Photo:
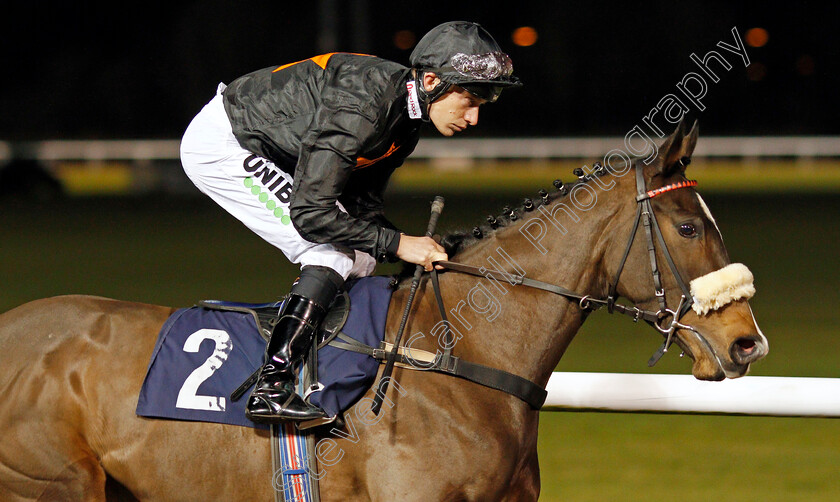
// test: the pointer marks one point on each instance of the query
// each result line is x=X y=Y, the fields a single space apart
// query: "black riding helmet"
x=464 y=54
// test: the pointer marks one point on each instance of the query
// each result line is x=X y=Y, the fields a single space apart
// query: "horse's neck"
x=518 y=328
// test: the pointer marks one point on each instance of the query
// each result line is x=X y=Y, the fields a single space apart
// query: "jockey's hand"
x=421 y=251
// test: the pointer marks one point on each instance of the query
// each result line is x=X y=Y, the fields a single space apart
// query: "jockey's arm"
x=318 y=185
x=320 y=178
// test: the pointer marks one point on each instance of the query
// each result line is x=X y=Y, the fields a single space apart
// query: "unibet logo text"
x=273 y=182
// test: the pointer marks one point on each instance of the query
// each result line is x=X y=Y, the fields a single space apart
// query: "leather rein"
x=665 y=320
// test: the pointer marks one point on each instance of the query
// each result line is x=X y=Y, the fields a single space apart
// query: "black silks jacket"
x=338 y=124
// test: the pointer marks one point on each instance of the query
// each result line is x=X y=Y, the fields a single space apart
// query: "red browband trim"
x=682 y=184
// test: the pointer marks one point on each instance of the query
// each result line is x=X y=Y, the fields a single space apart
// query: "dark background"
x=96 y=70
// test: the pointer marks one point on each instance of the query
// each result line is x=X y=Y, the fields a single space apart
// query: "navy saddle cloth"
x=202 y=355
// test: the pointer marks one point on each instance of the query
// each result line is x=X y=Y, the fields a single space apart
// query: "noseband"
x=665 y=320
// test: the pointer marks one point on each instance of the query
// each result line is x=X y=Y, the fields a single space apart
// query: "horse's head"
x=702 y=299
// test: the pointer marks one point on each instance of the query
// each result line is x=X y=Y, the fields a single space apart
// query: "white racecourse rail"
x=458 y=148
x=650 y=393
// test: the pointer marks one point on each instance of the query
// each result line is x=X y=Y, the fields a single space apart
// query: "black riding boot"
x=274 y=398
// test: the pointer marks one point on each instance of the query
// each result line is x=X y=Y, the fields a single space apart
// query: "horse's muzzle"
x=713 y=366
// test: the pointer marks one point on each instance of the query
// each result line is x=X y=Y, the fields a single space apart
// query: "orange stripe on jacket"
x=318 y=60
x=363 y=162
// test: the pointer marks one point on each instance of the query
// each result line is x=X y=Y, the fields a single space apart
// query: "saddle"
x=344 y=374
x=266 y=315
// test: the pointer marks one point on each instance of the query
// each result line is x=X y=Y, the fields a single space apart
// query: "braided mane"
x=457 y=241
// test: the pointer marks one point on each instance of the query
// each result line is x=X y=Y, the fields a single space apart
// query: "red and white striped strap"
x=667 y=188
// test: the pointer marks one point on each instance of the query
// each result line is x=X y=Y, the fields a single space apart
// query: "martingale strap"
x=415 y=359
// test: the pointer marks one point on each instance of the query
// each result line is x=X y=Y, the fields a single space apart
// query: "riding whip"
x=382 y=386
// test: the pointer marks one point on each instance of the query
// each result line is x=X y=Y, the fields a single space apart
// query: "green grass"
x=624 y=457
x=177 y=251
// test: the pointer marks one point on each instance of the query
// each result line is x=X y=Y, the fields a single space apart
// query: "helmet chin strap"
x=428 y=97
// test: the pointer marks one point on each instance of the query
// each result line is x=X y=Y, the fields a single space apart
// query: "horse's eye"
x=687 y=230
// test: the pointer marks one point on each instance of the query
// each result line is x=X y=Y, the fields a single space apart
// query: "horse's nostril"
x=746 y=349
x=745 y=345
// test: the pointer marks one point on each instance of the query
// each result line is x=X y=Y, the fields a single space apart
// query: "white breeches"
x=256 y=192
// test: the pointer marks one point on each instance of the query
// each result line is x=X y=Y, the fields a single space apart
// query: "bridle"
x=645 y=215
x=665 y=320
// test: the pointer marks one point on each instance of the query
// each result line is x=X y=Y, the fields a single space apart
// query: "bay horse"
x=71 y=367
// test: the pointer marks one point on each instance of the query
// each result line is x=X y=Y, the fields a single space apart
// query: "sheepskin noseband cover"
x=714 y=290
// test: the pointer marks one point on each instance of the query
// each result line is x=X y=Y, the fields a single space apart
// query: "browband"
x=667 y=188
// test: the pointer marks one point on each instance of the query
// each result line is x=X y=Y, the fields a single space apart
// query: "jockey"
x=302 y=153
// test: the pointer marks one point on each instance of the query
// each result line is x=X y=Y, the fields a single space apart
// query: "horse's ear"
x=690 y=141
x=675 y=152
